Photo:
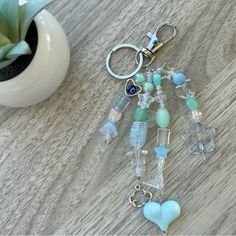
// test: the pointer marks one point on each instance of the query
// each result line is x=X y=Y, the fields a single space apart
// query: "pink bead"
x=114 y=115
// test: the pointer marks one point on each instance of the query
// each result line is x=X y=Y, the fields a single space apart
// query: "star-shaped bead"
x=145 y=100
x=161 y=151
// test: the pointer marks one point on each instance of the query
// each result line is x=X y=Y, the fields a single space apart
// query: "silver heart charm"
x=132 y=89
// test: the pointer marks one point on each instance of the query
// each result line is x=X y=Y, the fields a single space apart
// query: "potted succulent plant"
x=34 y=52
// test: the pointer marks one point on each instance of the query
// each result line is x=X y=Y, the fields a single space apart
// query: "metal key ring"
x=121 y=46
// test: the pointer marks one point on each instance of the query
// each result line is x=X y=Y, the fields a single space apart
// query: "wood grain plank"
x=56 y=175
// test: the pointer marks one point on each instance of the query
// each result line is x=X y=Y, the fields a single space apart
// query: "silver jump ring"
x=121 y=46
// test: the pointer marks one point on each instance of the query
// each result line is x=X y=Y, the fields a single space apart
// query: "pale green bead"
x=156 y=79
x=192 y=103
x=139 y=78
x=148 y=87
x=163 y=117
x=140 y=114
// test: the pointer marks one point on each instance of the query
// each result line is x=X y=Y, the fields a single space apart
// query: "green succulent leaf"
x=15 y=19
x=6 y=63
x=5 y=49
x=10 y=11
x=4 y=40
x=21 y=17
x=22 y=48
x=29 y=11
x=3 y=25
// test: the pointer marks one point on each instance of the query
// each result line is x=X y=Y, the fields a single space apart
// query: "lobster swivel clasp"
x=155 y=43
x=148 y=53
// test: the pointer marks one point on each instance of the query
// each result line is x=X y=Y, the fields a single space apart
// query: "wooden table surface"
x=56 y=174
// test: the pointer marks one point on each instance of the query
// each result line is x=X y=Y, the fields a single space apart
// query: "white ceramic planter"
x=46 y=71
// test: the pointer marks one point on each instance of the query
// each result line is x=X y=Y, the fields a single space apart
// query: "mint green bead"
x=139 y=78
x=192 y=103
x=140 y=114
x=148 y=87
x=156 y=79
x=163 y=117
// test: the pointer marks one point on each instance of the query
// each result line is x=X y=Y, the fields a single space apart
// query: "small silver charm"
x=132 y=89
x=140 y=197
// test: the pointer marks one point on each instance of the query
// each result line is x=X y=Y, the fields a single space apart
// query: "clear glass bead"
x=196 y=116
x=156 y=179
x=149 y=76
x=109 y=131
x=185 y=90
x=160 y=96
x=163 y=137
x=138 y=134
x=151 y=118
x=145 y=100
x=121 y=102
x=138 y=161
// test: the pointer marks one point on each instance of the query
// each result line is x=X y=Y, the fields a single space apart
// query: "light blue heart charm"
x=162 y=215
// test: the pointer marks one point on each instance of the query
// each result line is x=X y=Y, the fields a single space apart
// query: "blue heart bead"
x=162 y=215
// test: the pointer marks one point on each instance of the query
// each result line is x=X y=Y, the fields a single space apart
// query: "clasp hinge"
x=155 y=44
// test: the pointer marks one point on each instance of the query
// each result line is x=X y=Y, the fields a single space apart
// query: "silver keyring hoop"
x=122 y=46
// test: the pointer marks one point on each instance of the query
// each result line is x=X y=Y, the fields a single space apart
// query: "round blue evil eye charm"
x=132 y=89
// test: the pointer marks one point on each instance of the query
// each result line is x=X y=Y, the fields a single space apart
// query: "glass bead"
x=140 y=78
x=145 y=100
x=196 y=116
x=138 y=134
x=161 y=151
x=138 y=161
x=163 y=117
x=151 y=119
x=140 y=114
x=155 y=178
x=148 y=87
x=191 y=103
x=109 y=131
x=131 y=89
x=156 y=79
x=160 y=96
x=114 y=115
x=163 y=136
x=185 y=90
x=149 y=76
x=179 y=79
x=121 y=103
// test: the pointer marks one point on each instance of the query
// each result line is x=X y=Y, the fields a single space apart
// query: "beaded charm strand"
x=139 y=128
x=198 y=137
x=109 y=129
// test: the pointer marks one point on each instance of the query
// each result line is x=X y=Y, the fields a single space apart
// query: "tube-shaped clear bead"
x=138 y=134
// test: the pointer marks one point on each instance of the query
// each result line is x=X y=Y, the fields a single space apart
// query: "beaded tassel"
x=139 y=129
x=198 y=137
x=109 y=129
x=162 y=214
x=163 y=135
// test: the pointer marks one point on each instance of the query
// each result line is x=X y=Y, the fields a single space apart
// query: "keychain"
x=109 y=130
x=148 y=86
